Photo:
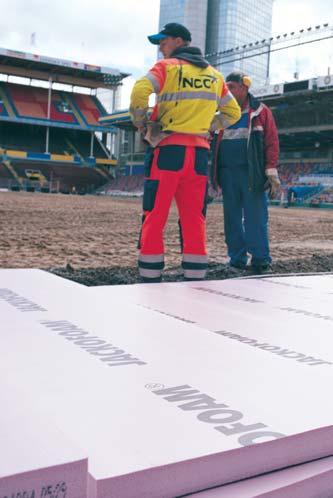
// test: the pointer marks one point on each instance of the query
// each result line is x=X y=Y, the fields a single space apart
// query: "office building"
x=219 y=25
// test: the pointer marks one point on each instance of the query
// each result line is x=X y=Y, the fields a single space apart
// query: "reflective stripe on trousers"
x=194 y=266
x=151 y=265
x=178 y=172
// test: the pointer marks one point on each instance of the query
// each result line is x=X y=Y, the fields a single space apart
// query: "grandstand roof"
x=304 y=117
x=120 y=119
x=28 y=65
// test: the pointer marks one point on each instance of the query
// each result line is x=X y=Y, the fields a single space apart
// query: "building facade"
x=219 y=25
x=191 y=13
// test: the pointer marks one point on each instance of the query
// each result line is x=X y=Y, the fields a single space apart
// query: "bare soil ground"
x=93 y=239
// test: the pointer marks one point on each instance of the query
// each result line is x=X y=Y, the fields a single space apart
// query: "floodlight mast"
x=270 y=45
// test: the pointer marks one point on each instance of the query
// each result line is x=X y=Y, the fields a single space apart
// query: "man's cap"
x=239 y=77
x=172 y=29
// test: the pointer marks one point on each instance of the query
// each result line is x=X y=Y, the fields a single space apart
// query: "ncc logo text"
x=205 y=82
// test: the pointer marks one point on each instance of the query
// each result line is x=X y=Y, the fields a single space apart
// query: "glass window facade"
x=234 y=23
x=218 y=25
x=191 y=13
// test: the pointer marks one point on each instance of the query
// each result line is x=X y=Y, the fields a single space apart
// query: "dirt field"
x=93 y=239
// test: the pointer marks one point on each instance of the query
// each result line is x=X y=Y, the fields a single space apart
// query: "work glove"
x=142 y=129
x=273 y=183
x=154 y=133
x=218 y=123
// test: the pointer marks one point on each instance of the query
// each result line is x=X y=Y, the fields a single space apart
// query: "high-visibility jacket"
x=189 y=92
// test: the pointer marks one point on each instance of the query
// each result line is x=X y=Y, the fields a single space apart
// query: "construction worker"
x=189 y=92
x=245 y=167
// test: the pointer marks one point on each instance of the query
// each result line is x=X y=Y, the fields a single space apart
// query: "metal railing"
x=131 y=158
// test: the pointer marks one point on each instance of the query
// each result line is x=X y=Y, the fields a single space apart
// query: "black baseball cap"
x=172 y=29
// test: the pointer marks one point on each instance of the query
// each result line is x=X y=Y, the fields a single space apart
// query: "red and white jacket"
x=262 y=146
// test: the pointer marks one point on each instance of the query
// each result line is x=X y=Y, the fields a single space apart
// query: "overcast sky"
x=113 y=33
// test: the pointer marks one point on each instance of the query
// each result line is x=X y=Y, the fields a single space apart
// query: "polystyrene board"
x=309 y=480
x=270 y=299
x=322 y=283
x=36 y=458
x=280 y=290
x=287 y=332
x=24 y=288
x=27 y=277
x=138 y=439
x=265 y=293
x=267 y=298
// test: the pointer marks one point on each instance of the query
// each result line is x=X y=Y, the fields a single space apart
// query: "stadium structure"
x=303 y=111
x=51 y=139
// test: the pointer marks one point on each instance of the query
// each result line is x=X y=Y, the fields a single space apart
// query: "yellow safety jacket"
x=188 y=96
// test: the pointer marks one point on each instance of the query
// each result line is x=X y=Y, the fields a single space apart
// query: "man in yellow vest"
x=189 y=93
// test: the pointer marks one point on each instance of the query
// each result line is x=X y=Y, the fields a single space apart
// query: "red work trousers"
x=180 y=172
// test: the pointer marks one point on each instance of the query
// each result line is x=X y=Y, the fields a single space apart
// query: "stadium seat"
x=32 y=102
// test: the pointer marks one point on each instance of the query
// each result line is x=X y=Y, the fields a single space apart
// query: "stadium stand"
x=324 y=197
x=51 y=139
x=53 y=178
x=303 y=172
x=89 y=107
x=304 y=116
x=6 y=177
x=28 y=103
x=32 y=139
x=124 y=185
x=304 y=192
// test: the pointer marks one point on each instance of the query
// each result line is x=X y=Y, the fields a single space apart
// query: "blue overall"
x=245 y=212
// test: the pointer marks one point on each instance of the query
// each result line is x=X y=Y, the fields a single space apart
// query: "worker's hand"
x=273 y=183
x=142 y=129
x=154 y=133
x=215 y=125
x=210 y=136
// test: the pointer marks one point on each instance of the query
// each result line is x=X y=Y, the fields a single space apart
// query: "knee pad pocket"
x=171 y=157
x=149 y=194
x=201 y=161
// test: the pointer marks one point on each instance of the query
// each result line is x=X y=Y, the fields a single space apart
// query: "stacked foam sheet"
x=161 y=407
x=36 y=458
x=291 y=317
x=310 y=480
